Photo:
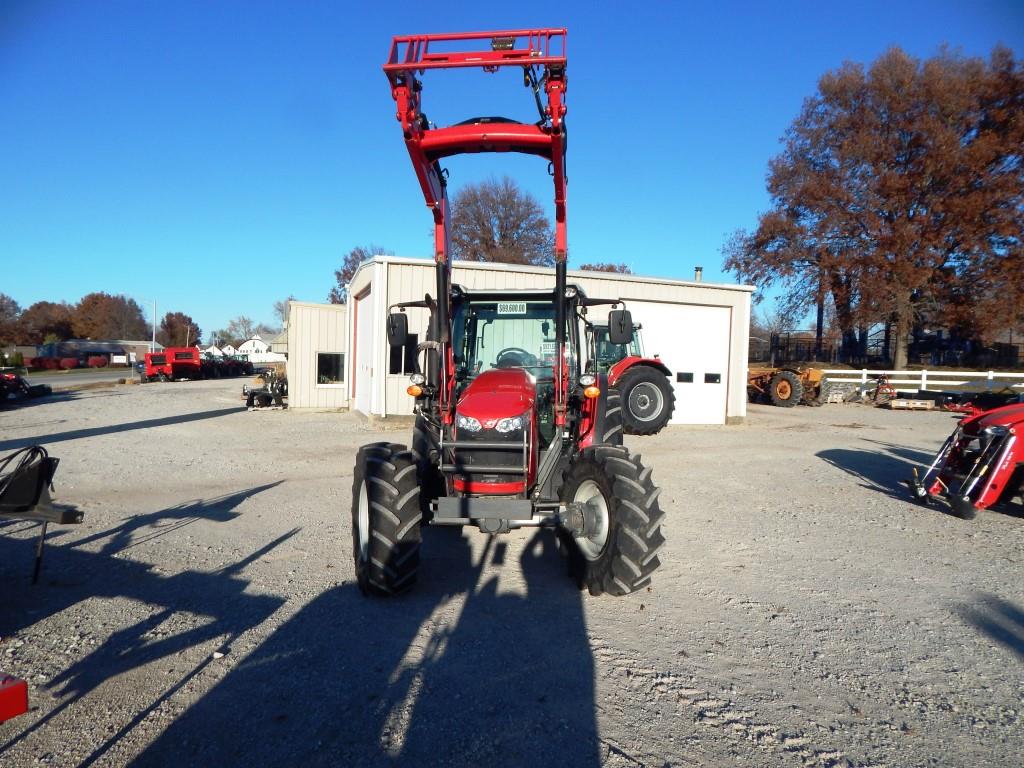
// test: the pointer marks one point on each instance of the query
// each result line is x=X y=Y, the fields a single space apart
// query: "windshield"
x=608 y=354
x=505 y=334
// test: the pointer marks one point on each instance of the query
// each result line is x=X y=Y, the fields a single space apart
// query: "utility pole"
x=152 y=344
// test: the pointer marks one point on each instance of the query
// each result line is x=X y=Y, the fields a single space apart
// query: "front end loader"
x=980 y=465
x=510 y=430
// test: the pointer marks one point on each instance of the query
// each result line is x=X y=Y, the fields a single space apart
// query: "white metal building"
x=698 y=329
x=317 y=345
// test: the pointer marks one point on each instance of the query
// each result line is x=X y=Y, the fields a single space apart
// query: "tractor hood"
x=1007 y=416
x=498 y=394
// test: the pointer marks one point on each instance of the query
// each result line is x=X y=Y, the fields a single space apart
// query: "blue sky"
x=219 y=156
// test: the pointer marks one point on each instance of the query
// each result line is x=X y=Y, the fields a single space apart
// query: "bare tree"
x=601 y=266
x=281 y=310
x=343 y=275
x=496 y=221
x=900 y=189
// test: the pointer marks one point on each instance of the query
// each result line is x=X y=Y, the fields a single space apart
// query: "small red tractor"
x=980 y=465
x=174 y=363
x=510 y=431
x=644 y=383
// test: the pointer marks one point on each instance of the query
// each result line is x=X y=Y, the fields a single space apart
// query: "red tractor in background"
x=644 y=383
x=510 y=430
x=980 y=465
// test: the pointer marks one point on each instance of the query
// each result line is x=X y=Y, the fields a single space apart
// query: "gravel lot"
x=806 y=614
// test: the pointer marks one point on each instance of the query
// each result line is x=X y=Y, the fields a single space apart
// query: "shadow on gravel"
x=77 y=434
x=508 y=681
x=220 y=510
x=58 y=396
x=998 y=619
x=879 y=471
x=188 y=609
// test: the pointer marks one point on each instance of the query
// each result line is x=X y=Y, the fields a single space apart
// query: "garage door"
x=363 y=354
x=693 y=341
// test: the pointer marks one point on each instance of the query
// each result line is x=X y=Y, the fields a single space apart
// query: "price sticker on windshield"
x=511 y=307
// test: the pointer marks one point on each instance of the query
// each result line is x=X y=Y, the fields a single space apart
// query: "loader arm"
x=541 y=55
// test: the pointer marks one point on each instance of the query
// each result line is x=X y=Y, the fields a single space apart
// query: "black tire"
x=647 y=400
x=613 y=427
x=425 y=450
x=623 y=560
x=785 y=389
x=385 y=519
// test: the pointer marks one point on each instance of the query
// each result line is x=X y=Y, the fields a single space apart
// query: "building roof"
x=572 y=273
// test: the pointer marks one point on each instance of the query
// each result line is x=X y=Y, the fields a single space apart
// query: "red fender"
x=630 y=361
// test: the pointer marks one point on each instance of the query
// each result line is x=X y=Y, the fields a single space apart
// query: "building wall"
x=314 y=328
x=401 y=279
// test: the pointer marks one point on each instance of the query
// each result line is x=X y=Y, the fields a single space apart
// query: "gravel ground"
x=806 y=614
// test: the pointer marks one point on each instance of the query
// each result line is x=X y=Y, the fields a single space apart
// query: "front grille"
x=488 y=458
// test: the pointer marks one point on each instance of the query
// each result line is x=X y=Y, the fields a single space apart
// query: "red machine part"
x=13 y=697
x=616 y=371
x=978 y=461
x=543 y=49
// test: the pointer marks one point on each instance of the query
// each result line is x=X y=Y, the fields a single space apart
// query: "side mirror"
x=398 y=329
x=620 y=326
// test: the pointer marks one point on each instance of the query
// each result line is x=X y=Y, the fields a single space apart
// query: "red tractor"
x=511 y=431
x=980 y=465
x=645 y=388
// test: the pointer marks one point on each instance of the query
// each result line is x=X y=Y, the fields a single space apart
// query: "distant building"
x=213 y=351
x=229 y=350
x=256 y=350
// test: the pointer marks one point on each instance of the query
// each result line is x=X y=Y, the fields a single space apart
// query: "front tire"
x=647 y=400
x=620 y=551
x=386 y=519
x=785 y=389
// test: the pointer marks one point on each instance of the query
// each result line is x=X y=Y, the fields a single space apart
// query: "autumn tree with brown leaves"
x=497 y=221
x=102 y=316
x=178 y=330
x=900 y=196
x=45 y=321
x=343 y=275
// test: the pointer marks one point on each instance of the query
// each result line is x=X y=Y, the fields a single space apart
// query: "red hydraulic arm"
x=541 y=53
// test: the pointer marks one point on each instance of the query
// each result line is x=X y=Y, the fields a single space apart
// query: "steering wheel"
x=512 y=357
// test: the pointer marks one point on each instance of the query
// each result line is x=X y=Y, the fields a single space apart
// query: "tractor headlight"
x=587 y=380
x=510 y=425
x=417 y=378
x=467 y=423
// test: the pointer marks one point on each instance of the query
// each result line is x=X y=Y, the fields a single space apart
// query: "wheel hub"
x=594 y=508
x=646 y=401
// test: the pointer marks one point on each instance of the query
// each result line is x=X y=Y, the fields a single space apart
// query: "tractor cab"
x=508 y=341
x=605 y=354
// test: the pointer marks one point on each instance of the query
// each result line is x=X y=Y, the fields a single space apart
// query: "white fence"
x=911 y=381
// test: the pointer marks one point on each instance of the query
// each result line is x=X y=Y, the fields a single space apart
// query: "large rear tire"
x=620 y=552
x=647 y=400
x=386 y=519
x=785 y=389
